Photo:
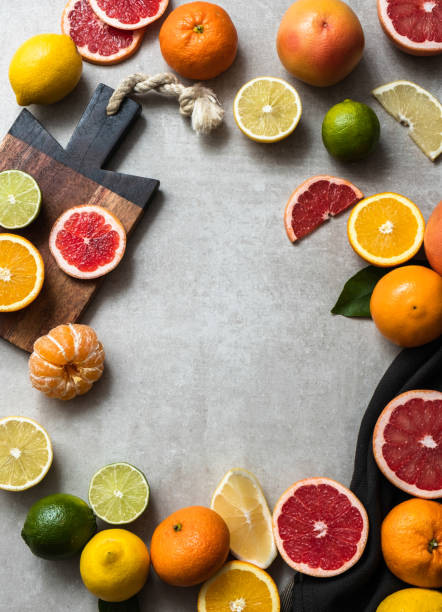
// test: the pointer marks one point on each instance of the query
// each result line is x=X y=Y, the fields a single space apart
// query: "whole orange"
x=199 y=40
x=411 y=539
x=406 y=305
x=433 y=239
x=190 y=546
x=320 y=41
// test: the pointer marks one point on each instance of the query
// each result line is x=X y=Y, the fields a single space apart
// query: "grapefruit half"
x=415 y=26
x=129 y=14
x=320 y=527
x=96 y=41
x=316 y=200
x=87 y=241
x=407 y=443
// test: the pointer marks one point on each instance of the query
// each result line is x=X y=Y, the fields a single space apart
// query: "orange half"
x=21 y=272
x=386 y=229
x=239 y=586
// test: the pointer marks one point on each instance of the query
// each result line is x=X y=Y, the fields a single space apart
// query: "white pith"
x=268 y=108
x=386 y=261
x=73 y=270
x=307 y=569
x=379 y=441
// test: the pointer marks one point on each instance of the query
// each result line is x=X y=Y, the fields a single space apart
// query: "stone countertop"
x=221 y=349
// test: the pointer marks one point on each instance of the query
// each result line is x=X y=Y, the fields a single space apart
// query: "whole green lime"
x=58 y=526
x=350 y=130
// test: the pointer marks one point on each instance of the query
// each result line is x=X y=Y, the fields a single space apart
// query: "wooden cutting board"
x=68 y=177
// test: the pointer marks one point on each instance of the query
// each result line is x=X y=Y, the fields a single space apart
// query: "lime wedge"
x=118 y=493
x=20 y=199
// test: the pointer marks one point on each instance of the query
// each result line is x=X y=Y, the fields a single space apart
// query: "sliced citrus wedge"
x=414 y=107
x=20 y=199
x=240 y=501
x=25 y=453
x=267 y=109
x=21 y=272
x=239 y=586
x=386 y=229
x=118 y=493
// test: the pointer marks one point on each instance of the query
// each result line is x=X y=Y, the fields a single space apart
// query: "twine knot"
x=198 y=102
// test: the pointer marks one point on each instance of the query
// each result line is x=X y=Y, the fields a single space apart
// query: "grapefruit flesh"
x=316 y=200
x=96 y=41
x=87 y=241
x=415 y=26
x=320 y=527
x=407 y=443
x=128 y=14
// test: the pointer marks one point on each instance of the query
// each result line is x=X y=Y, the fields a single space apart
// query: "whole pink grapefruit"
x=320 y=41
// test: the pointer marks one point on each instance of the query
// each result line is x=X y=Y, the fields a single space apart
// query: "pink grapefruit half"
x=96 y=41
x=129 y=14
x=87 y=241
x=415 y=26
x=407 y=443
x=320 y=527
x=316 y=200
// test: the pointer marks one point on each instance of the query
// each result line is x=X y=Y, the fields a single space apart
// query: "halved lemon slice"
x=25 y=453
x=386 y=229
x=414 y=107
x=239 y=586
x=21 y=272
x=267 y=109
x=240 y=501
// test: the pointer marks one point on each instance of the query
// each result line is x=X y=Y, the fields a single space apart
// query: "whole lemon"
x=114 y=565
x=412 y=600
x=45 y=69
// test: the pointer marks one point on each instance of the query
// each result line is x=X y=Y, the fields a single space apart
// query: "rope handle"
x=196 y=101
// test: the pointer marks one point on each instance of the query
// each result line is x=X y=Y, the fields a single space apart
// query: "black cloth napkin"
x=366 y=584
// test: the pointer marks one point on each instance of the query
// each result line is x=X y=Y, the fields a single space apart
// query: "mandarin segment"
x=67 y=361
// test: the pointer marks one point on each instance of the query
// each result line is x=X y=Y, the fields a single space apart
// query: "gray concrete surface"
x=221 y=350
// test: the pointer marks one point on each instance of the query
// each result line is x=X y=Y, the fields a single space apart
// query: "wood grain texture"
x=68 y=178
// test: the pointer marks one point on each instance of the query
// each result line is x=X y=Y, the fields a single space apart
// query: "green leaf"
x=354 y=300
x=131 y=605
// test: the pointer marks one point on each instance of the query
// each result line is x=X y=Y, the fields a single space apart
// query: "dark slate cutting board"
x=68 y=177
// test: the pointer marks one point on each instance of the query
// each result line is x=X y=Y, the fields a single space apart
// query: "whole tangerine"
x=433 y=239
x=190 y=546
x=199 y=40
x=406 y=305
x=411 y=540
x=320 y=41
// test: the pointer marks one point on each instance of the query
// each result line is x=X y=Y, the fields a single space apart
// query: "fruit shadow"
x=64 y=115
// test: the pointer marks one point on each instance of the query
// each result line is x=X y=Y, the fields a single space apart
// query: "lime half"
x=118 y=493
x=20 y=199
